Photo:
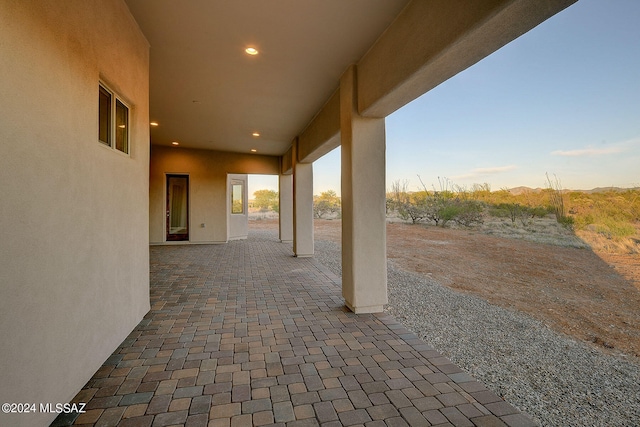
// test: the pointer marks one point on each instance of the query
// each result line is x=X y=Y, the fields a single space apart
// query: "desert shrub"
x=538 y=211
x=436 y=205
x=481 y=192
x=507 y=210
x=389 y=205
x=556 y=199
x=497 y=212
x=327 y=203
x=409 y=206
x=412 y=211
x=266 y=200
x=582 y=221
x=466 y=213
x=612 y=214
x=614 y=229
x=566 y=221
x=448 y=213
x=516 y=211
x=469 y=213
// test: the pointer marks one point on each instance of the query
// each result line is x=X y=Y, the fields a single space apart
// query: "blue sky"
x=562 y=99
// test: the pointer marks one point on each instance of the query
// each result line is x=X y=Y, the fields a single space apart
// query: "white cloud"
x=480 y=172
x=590 y=152
x=493 y=170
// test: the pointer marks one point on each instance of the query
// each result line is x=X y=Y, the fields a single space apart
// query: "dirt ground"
x=592 y=297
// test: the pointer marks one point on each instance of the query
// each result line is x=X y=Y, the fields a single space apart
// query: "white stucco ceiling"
x=206 y=92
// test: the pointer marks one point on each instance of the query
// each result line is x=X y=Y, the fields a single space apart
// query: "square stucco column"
x=303 y=209
x=364 y=251
x=285 y=195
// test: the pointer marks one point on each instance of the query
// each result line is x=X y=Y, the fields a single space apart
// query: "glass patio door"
x=177 y=207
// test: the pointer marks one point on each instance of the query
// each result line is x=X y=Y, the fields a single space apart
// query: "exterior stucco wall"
x=208 y=202
x=74 y=257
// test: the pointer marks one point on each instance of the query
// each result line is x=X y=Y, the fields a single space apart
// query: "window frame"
x=237 y=183
x=113 y=130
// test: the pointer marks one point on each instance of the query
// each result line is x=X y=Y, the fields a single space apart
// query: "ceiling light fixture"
x=175 y=143
x=253 y=150
x=256 y=134
x=153 y=124
x=251 y=51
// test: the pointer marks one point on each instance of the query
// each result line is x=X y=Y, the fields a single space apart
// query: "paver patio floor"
x=245 y=334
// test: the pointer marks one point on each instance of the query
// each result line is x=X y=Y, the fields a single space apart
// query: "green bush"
x=613 y=213
x=448 y=213
x=538 y=211
x=498 y=212
x=583 y=221
x=327 y=203
x=469 y=212
x=614 y=229
x=566 y=221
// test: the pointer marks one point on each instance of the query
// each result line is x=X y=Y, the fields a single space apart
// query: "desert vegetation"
x=327 y=205
x=608 y=219
x=266 y=200
x=440 y=206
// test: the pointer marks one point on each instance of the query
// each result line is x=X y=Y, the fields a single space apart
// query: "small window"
x=113 y=120
x=122 y=127
x=237 y=198
x=104 y=106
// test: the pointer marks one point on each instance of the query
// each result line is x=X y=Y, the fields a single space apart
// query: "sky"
x=562 y=99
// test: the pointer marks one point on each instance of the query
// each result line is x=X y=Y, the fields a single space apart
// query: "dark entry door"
x=177 y=207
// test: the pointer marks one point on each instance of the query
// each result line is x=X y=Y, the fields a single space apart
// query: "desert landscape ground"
x=545 y=271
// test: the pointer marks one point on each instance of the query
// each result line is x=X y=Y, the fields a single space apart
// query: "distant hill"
x=607 y=189
x=520 y=190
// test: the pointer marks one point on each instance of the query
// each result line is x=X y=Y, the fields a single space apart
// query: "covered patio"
x=130 y=123
x=246 y=334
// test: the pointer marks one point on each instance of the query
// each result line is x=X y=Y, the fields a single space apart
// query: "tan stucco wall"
x=207 y=172
x=74 y=254
x=323 y=133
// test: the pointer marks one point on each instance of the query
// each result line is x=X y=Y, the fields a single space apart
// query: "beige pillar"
x=302 y=208
x=285 y=195
x=364 y=252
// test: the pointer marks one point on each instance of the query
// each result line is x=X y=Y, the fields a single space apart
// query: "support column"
x=364 y=251
x=302 y=208
x=285 y=203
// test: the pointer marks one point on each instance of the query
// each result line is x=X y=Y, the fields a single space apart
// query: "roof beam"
x=323 y=133
x=433 y=40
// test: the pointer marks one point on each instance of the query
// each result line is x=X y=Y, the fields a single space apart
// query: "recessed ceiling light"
x=153 y=123
x=253 y=150
x=256 y=134
x=251 y=51
x=175 y=143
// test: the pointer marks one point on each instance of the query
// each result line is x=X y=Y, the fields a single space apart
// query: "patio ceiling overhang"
x=206 y=92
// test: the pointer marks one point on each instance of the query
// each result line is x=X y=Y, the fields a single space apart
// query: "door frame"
x=237 y=223
x=182 y=236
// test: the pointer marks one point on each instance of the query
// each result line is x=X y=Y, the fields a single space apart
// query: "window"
x=237 y=198
x=122 y=127
x=104 y=134
x=113 y=120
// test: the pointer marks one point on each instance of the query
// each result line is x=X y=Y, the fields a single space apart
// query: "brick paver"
x=245 y=334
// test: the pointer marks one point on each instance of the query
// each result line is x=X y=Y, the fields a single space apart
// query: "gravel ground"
x=556 y=380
